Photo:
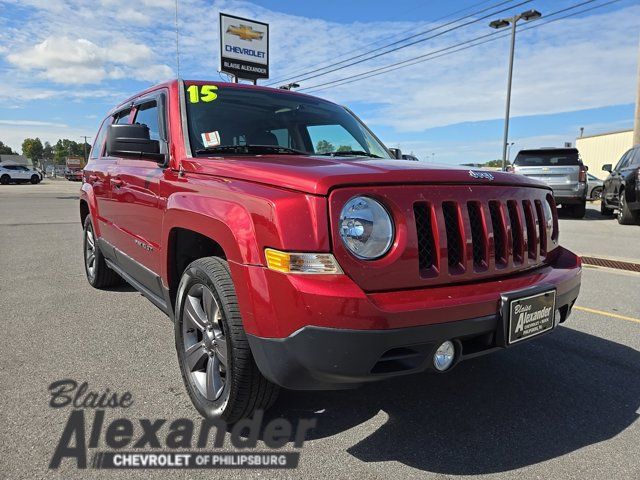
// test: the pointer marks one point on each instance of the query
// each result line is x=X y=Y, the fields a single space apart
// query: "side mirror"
x=396 y=152
x=132 y=141
x=606 y=167
x=586 y=168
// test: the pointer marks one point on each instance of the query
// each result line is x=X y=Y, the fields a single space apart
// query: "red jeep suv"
x=291 y=249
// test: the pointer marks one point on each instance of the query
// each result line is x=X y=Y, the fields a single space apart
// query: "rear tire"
x=625 y=216
x=578 y=211
x=5 y=179
x=98 y=273
x=596 y=193
x=217 y=367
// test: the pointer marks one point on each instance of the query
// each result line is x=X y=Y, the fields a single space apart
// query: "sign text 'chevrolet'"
x=244 y=47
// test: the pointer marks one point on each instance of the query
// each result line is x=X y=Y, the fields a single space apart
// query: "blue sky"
x=64 y=63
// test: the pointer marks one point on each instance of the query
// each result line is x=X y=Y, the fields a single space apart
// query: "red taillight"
x=582 y=176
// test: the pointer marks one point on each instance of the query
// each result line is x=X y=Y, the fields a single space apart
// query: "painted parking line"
x=607 y=314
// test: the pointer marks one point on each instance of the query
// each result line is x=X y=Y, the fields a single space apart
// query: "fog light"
x=444 y=356
x=558 y=317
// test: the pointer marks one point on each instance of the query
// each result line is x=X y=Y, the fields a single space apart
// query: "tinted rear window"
x=547 y=158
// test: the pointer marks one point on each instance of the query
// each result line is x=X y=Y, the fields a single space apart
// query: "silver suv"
x=561 y=169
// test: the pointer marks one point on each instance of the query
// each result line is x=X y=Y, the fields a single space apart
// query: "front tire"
x=99 y=275
x=35 y=179
x=217 y=367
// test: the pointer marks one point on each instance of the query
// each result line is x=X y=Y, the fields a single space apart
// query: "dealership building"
x=597 y=150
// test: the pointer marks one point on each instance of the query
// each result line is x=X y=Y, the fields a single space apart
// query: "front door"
x=137 y=201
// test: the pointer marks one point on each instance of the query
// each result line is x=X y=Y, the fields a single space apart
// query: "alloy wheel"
x=204 y=342
x=90 y=252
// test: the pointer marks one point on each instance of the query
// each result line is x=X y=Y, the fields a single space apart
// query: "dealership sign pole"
x=244 y=48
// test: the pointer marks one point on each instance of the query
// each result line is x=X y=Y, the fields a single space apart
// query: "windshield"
x=547 y=158
x=224 y=120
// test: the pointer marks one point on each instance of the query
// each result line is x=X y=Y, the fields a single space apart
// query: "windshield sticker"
x=211 y=139
x=202 y=93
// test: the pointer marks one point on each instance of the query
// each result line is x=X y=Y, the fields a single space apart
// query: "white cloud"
x=67 y=60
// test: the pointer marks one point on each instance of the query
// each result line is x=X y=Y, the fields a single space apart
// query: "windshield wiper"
x=350 y=153
x=249 y=149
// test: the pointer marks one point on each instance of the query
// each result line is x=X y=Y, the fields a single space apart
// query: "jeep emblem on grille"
x=485 y=175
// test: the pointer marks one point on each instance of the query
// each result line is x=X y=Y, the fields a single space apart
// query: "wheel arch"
x=185 y=245
x=88 y=206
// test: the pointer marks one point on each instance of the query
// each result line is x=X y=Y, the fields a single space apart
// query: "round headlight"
x=366 y=228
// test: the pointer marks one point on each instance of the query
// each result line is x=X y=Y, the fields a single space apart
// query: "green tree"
x=6 y=149
x=32 y=149
x=47 y=151
x=324 y=146
x=493 y=163
x=344 y=148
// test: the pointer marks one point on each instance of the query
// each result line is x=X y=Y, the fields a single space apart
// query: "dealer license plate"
x=531 y=316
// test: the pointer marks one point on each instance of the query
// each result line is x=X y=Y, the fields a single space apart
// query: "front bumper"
x=316 y=358
x=323 y=332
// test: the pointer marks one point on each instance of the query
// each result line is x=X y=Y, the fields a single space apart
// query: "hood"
x=318 y=175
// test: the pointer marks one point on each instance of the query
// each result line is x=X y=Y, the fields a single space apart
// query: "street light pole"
x=505 y=138
x=505 y=22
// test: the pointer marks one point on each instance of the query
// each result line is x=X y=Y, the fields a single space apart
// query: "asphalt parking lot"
x=563 y=406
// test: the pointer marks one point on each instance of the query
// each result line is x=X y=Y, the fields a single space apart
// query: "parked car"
x=594 y=187
x=621 y=193
x=561 y=169
x=18 y=174
x=286 y=265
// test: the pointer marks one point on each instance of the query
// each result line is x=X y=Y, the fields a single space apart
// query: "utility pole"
x=505 y=22
x=84 y=148
x=636 y=122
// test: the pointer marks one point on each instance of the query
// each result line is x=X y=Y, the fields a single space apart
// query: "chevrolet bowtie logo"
x=245 y=32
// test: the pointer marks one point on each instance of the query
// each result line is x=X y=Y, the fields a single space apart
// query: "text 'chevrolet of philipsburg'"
x=292 y=249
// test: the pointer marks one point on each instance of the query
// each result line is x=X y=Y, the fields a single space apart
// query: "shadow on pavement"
x=497 y=413
x=590 y=214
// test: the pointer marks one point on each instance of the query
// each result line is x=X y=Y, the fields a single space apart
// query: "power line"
x=480 y=40
x=414 y=42
x=308 y=76
x=303 y=71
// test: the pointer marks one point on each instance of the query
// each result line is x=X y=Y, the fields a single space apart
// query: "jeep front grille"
x=483 y=235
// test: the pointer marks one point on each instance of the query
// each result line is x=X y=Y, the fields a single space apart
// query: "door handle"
x=116 y=182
